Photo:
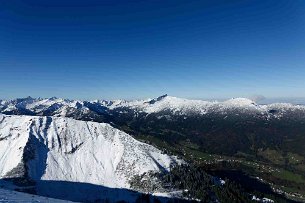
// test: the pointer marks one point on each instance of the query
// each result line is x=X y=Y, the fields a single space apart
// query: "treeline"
x=197 y=184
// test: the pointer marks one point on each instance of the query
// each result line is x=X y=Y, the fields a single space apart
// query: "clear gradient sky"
x=89 y=49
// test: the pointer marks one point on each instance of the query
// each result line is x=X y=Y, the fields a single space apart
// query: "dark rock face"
x=157 y=99
x=17 y=172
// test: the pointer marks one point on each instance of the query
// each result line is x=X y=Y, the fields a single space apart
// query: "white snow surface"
x=76 y=151
x=9 y=196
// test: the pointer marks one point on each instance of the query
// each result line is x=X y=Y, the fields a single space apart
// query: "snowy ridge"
x=39 y=106
x=76 y=151
x=64 y=107
x=185 y=106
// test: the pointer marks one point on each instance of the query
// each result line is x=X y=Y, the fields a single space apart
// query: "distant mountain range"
x=204 y=122
x=63 y=107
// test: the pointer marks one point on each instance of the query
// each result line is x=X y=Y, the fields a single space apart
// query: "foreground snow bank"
x=8 y=196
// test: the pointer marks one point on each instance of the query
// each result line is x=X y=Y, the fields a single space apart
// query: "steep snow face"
x=64 y=149
x=12 y=141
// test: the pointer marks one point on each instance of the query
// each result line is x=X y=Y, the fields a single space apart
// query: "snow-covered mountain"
x=186 y=106
x=90 y=109
x=57 y=149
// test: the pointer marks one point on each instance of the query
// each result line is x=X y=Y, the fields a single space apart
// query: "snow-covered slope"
x=63 y=149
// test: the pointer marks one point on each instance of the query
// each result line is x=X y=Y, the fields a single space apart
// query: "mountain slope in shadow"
x=85 y=192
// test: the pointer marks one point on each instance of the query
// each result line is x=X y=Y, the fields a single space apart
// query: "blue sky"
x=137 y=49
